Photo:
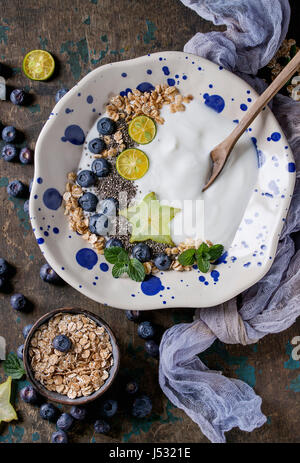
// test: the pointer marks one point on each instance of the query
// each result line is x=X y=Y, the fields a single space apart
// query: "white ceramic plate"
x=58 y=152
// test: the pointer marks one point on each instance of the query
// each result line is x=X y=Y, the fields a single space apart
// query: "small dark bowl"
x=61 y=398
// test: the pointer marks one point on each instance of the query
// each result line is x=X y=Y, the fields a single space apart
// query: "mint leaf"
x=203 y=264
x=187 y=257
x=118 y=269
x=202 y=249
x=115 y=254
x=215 y=251
x=136 y=270
x=13 y=366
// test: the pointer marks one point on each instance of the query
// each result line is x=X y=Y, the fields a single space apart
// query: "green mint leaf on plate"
x=118 y=269
x=203 y=248
x=187 y=257
x=13 y=366
x=203 y=264
x=215 y=252
x=136 y=270
x=115 y=254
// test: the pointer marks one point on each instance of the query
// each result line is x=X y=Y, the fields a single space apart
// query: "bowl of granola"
x=117 y=206
x=71 y=356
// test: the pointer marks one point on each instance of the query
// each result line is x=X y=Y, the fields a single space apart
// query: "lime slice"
x=38 y=65
x=142 y=129
x=7 y=411
x=132 y=164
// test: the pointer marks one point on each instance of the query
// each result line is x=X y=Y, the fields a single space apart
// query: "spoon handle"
x=263 y=100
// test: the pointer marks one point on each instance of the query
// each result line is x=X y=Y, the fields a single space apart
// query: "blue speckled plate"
x=58 y=152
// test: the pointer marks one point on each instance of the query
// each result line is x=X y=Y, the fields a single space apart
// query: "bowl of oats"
x=71 y=356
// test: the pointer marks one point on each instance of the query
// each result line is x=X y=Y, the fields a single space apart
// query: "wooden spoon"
x=221 y=152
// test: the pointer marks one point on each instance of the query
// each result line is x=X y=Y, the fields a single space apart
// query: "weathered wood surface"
x=84 y=34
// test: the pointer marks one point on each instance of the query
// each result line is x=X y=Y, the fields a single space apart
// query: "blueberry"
x=62 y=343
x=101 y=427
x=65 y=422
x=152 y=348
x=49 y=275
x=96 y=145
x=109 y=207
x=106 y=126
x=18 y=302
x=48 y=412
x=113 y=242
x=142 y=406
x=9 y=134
x=26 y=207
x=60 y=93
x=59 y=437
x=86 y=178
x=101 y=167
x=9 y=153
x=20 y=352
x=141 y=252
x=146 y=330
x=17 y=189
x=88 y=202
x=79 y=413
x=26 y=156
x=29 y=395
x=109 y=408
x=131 y=387
x=26 y=330
x=4 y=267
x=162 y=262
x=133 y=315
x=100 y=224
x=17 y=96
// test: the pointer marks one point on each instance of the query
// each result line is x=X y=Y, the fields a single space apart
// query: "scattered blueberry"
x=48 y=412
x=132 y=387
x=79 y=413
x=20 y=352
x=65 y=422
x=109 y=207
x=4 y=267
x=49 y=275
x=60 y=93
x=9 y=134
x=106 y=126
x=141 y=252
x=101 y=427
x=17 y=96
x=88 y=202
x=18 y=302
x=101 y=167
x=26 y=330
x=96 y=145
x=86 y=178
x=9 y=153
x=146 y=330
x=62 y=343
x=133 y=315
x=109 y=408
x=26 y=206
x=142 y=406
x=17 y=189
x=112 y=242
x=26 y=156
x=162 y=262
x=152 y=348
x=29 y=395
x=100 y=224
x=59 y=437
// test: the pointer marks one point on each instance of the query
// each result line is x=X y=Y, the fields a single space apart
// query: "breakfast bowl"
x=245 y=209
x=58 y=375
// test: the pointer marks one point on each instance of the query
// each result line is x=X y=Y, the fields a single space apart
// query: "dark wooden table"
x=83 y=34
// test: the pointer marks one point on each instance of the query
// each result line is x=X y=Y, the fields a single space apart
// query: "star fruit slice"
x=7 y=411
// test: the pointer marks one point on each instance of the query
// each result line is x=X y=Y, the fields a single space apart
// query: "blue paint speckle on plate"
x=52 y=199
x=243 y=107
x=275 y=136
x=145 y=87
x=46 y=233
x=55 y=230
x=151 y=285
x=261 y=159
x=199 y=68
x=149 y=71
x=35 y=197
x=171 y=82
x=210 y=85
x=222 y=259
x=166 y=70
x=68 y=110
x=291 y=167
x=90 y=99
x=104 y=267
x=214 y=102
x=123 y=93
x=215 y=275
x=74 y=134
x=184 y=77
x=86 y=258
x=39 y=180
x=247 y=264
x=202 y=279
x=124 y=74
x=40 y=240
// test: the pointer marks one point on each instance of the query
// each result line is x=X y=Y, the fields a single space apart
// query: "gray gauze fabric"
x=255 y=30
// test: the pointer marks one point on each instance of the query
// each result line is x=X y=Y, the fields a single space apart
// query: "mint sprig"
x=123 y=264
x=203 y=256
x=13 y=366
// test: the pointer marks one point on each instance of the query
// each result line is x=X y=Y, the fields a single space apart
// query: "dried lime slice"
x=142 y=129
x=38 y=65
